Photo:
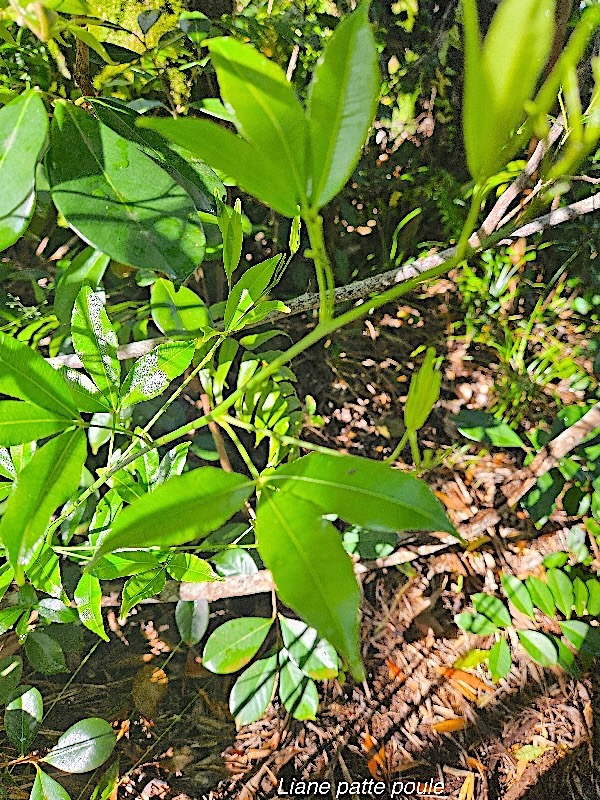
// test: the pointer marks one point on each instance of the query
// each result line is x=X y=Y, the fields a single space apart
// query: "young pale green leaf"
x=11 y=669
x=230 y=224
x=312 y=571
x=363 y=492
x=316 y=657
x=47 y=481
x=253 y=691
x=475 y=623
x=298 y=692
x=23 y=422
x=562 y=590
x=26 y=375
x=341 y=104
x=23 y=716
x=255 y=171
x=267 y=112
x=580 y=593
x=151 y=374
x=23 y=129
x=88 y=599
x=231 y=646
x=83 y=747
x=472 y=658
x=500 y=660
x=183 y=508
x=539 y=646
x=141 y=587
x=593 y=605
x=46 y=788
x=423 y=393
x=86 y=269
x=178 y=312
x=249 y=291
x=188 y=568
x=541 y=595
x=45 y=654
x=95 y=342
x=118 y=199
x=192 y=617
x=517 y=594
x=493 y=608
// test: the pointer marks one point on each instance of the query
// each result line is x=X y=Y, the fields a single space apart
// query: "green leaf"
x=315 y=657
x=481 y=427
x=472 y=658
x=231 y=646
x=517 y=593
x=541 y=595
x=249 y=291
x=575 y=631
x=26 y=375
x=500 y=660
x=84 y=391
x=562 y=590
x=54 y=610
x=253 y=691
x=83 y=747
x=423 y=392
x=44 y=653
x=312 y=571
x=171 y=464
x=88 y=599
x=178 y=312
x=593 y=606
x=46 y=788
x=7 y=468
x=118 y=200
x=539 y=646
x=23 y=717
x=129 y=562
x=23 y=422
x=95 y=342
x=47 y=481
x=363 y=492
x=23 y=129
x=186 y=507
x=86 y=269
x=566 y=659
x=141 y=587
x=108 y=785
x=341 y=105
x=267 y=112
x=151 y=374
x=8 y=617
x=230 y=223
x=234 y=561
x=11 y=669
x=44 y=571
x=252 y=169
x=298 y=693
x=580 y=597
x=493 y=608
x=475 y=623
x=192 y=617
x=188 y=568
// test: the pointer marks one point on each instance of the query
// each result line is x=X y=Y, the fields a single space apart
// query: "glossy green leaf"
x=88 y=600
x=86 y=269
x=493 y=608
x=186 y=507
x=298 y=693
x=47 y=481
x=316 y=657
x=178 y=312
x=23 y=422
x=23 y=129
x=541 y=595
x=562 y=590
x=46 y=788
x=54 y=610
x=500 y=660
x=95 y=342
x=119 y=200
x=192 y=618
x=83 y=747
x=482 y=427
x=341 y=105
x=151 y=374
x=475 y=623
x=575 y=631
x=26 y=375
x=255 y=171
x=44 y=653
x=11 y=669
x=580 y=593
x=312 y=571
x=539 y=646
x=363 y=492
x=253 y=691
x=84 y=391
x=231 y=646
x=141 y=587
x=234 y=561
x=517 y=594
x=249 y=291
x=23 y=716
x=593 y=606
x=188 y=568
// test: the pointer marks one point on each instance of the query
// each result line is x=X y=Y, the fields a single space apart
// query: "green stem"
x=398 y=449
x=414 y=449
x=280 y=437
x=318 y=253
x=223 y=422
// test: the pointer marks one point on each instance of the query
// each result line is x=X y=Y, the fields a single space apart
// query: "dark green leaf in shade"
x=566 y=659
x=312 y=571
x=108 y=785
x=86 y=269
x=231 y=646
x=88 y=600
x=46 y=788
x=83 y=747
x=178 y=312
x=517 y=594
x=298 y=693
x=562 y=590
x=541 y=595
x=540 y=647
x=192 y=617
x=24 y=422
x=151 y=374
x=253 y=691
x=493 y=608
x=315 y=657
x=23 y=716
x=500 y=660
x=11 y=669
x=141 y=587
x=44 y=653
x=482 y=427
x=54 y=610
